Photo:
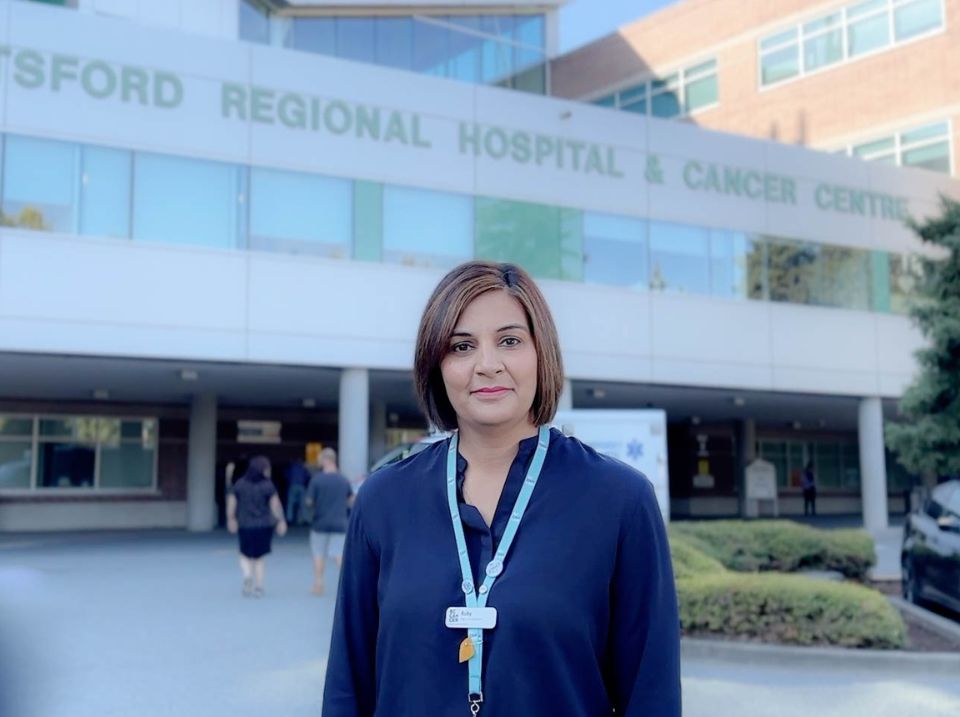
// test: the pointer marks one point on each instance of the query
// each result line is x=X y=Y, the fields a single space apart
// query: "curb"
x=945 y=627
x=916 y=664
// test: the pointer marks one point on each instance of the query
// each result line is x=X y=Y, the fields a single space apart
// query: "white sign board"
x=761 y=481
x=637 y=438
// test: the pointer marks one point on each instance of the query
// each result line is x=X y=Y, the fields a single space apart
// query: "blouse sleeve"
x=645 y=634
x=350 y=688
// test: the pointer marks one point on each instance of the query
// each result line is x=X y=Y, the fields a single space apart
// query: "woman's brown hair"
x=452 y=295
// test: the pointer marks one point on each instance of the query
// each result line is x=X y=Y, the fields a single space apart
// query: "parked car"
x=930 y=557
x=400 y=452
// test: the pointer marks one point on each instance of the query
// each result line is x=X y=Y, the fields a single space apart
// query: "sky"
x=584 y=20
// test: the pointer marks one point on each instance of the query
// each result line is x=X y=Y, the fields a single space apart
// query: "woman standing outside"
x=509 y=570
x=253 y=508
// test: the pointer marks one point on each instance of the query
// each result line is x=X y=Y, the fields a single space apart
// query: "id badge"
x=484 y=618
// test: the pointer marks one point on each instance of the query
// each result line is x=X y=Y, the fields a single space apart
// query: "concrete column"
x=378 y=431
x=873 y=468
x=354 y=422
x=566 y=397
x=202 y=463
x=746 y=433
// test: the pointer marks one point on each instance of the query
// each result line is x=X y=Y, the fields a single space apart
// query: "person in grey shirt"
x=329 y=495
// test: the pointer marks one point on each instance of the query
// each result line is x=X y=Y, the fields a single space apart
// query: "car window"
x=953 y=501
x=940 y=498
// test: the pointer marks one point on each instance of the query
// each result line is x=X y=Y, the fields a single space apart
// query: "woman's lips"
x=495 y=391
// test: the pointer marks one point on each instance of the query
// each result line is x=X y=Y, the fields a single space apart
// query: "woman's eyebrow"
x=513 y=327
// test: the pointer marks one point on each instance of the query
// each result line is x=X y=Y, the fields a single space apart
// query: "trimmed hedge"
x=788 y=609
x=780 y=545
x=689 y=562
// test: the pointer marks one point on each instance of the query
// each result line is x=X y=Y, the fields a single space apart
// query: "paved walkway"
x=153 y=625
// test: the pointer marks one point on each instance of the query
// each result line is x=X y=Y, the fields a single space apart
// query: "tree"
x=927 y=440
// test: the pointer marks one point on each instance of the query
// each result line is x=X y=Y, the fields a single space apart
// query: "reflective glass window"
x=876 y=149
x=16 y=463
x=431 y=47
x=935 y=157
x=608 y=101
x=356 y=39
x=424 y=228
x=127 y=465
x=736 y=265
x=665 y=104
x=774 y=41
x=532 y=80
x=791 y=270
x=930 y=131
x=779 y=65
x=186 y=201
x=40 y=184
x=615 y=250
x=906 y=276
x=870 y=33
x=825 y=48
x=497 y=61
x=314 y=34
x=254 y=22
x=466 y=56
x=395 y=42
x=843 y=278
x=701 y=93
x=679 y=258
x=105 y=192
x=915 y=18
x=321 y=222
x=534 y=236
x=16 y=426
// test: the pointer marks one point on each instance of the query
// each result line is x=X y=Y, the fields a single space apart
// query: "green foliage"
x=788 y=609
x=689 y=561
x=927 y=439
x=782 y=545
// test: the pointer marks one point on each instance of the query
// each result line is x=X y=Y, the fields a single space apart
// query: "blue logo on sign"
x=635 y=450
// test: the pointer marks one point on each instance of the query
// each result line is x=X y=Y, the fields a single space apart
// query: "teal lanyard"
x=478 y=598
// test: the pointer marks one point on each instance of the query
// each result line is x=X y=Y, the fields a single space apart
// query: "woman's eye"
x=460 y=348
x=510 y=341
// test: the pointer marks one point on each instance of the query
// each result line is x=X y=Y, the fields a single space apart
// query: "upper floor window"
x=498 y=49
x=845 y=34
x=926 y=146
x=675 y=95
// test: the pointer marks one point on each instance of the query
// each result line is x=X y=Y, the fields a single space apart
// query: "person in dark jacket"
x=329 y=496
x=508 y=570
x=253 y=509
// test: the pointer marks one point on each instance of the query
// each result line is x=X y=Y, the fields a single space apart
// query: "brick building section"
x=895 y=88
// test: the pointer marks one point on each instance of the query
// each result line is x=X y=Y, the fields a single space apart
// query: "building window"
x=40 y=184
x=105 y=191
x=927 y=147
x=77 y=452
x=505 y=50
x=679 y=258
x=840 y=36
x=186 y=201
x=615 y=250
x=678 y=94
x=424 y=228
x=736 y=265
x=322 y=222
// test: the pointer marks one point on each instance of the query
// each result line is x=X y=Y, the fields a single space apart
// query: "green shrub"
x=788 y=609
x=782 y=545
x=689 y=561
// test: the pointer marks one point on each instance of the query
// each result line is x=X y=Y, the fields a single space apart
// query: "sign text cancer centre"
x=101 y=80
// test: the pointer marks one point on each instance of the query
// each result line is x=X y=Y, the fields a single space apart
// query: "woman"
x=253 y=508
x=509 y=570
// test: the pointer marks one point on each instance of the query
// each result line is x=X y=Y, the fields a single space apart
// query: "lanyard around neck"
x=478 y=597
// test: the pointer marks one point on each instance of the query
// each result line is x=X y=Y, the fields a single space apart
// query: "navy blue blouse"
x=587 y=610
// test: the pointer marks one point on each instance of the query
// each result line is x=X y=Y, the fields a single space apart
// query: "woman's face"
x=490 y=369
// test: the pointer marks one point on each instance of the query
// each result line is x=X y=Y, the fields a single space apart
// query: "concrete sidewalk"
x=153 y=625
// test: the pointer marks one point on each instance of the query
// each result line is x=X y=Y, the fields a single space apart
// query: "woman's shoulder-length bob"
x=452 y=295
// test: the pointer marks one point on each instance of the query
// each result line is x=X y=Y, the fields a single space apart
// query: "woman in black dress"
x=253 y=509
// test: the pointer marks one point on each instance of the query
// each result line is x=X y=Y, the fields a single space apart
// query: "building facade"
x=874 y=79
x=213 y=247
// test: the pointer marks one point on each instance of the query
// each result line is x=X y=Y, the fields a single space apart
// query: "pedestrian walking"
x=297 y=477
x=809 y=484
x=509 y=569
x=253 y=509
x=328 y=497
